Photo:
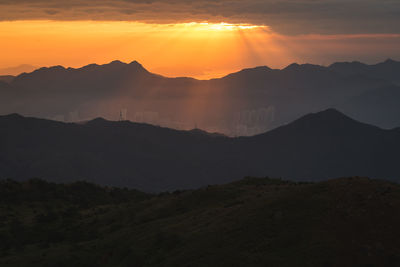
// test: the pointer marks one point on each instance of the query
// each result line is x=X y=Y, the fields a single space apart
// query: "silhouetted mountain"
x=349 y=68
x=96 y=78
x=252 y=222
x=248 y=102
x=388 y=70
x=253 y=73
x=316 y=146
x=326 y=144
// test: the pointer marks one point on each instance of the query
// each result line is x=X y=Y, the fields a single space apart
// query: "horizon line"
x=173 y=77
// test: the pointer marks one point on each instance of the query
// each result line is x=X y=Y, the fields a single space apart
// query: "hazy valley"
x=248 y=102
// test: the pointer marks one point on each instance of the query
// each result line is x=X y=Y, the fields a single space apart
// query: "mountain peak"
x=292 y=66
x=114 y=65
x=12 y=116
x=328 y=119
x=265 y=68
x=257 y=71
x=52 y=68
x=137 y=65
x=303 y=67
x=97 y=121
x=331 y=113
x=117 y=62
x=327 y=123
x=390 y=61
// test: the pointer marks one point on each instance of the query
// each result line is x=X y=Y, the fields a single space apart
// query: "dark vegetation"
x=252 y=222
x=154 y=159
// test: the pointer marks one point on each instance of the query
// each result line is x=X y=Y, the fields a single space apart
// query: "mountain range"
x=317 y=146
x=248 y=102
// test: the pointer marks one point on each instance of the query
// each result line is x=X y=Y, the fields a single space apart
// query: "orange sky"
x=198 y=50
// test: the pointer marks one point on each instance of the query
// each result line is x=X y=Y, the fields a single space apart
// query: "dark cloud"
x=287 y=16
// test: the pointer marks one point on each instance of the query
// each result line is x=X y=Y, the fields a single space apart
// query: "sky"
x=197 y=38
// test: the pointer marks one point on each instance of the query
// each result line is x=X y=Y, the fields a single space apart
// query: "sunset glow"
x=169 y=49
x=196 y=49
x=222 y=26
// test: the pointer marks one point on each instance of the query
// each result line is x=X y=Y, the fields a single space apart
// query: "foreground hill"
x=248 y=102
x=252 y=222
x=323 y=145
x=317 y=146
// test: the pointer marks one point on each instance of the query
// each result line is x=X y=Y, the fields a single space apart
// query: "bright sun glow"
x=196 y=49
x=223 y=26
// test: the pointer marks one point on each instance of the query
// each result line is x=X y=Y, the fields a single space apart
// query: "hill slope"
x=316 y=146
x=326 y=144
x=253 y=222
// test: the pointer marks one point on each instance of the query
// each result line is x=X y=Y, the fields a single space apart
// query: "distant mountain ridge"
x=247 y=102
x=348 y=68
x=384 y=70
x=315 y=147
x=112 y=66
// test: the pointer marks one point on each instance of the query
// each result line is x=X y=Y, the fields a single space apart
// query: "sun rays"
x=197 y=49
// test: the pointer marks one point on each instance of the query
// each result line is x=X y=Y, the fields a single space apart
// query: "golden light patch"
x=197 y=49
x=205 y=26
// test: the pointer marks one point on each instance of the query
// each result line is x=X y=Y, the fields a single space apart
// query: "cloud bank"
x=283 y=16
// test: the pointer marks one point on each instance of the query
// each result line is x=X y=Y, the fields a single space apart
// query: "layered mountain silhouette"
x=248 y=102
x=315 y=147
x=387 y=70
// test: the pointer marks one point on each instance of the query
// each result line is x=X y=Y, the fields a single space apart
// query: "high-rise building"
x=123 y=114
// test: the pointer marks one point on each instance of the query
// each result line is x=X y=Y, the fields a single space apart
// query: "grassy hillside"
x=253 y=222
